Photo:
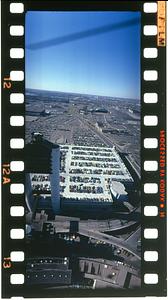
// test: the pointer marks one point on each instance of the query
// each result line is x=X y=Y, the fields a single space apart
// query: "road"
x=110 y=143
x=134 y=165
x=108 y=225
x=97 y=225
x=134 y=237
x=110 y=240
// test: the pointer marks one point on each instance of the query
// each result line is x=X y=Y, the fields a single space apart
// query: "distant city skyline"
x=94 y=65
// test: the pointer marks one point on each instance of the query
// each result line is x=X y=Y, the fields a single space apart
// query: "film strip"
x=153 y=145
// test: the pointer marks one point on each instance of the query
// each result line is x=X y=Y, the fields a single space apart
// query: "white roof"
x=119 y=188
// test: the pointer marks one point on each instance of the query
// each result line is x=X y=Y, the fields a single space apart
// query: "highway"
x=110 y=240
x=107 y=225
x=134 y=237
x=110 y=143
x=102 y=225
x=95 y=229
x=104 y=138
x=134 y=165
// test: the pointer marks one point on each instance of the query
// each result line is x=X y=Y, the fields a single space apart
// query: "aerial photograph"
x=82 y=132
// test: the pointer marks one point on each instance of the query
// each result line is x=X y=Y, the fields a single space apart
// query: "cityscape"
x=82 y=191
x=82 y=152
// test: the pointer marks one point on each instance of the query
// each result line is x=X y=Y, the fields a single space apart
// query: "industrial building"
x=48 y=271
x=81 y=176
x=92 y=176
x=42 y=166
x=106 y=274
x=38 y=111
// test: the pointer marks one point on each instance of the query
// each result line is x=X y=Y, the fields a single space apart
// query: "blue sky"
x=105 y=64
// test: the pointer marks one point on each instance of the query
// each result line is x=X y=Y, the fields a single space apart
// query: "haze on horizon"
x=77 y=93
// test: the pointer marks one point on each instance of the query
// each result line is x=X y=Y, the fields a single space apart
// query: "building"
x=118 y=191
x=87 y=174
x=37 y=111
x=81 y=177
x=42 y=167
x=48 y=271
x=109 y=274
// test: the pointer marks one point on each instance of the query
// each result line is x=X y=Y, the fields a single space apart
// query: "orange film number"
x=7 y=83
x=6 y=172
x=7 y=263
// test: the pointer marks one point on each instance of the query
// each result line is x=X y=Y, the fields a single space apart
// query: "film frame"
x=156 y=130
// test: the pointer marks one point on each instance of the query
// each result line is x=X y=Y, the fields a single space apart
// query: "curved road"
x=110 y=240
x=98 y=225
x=107 y=225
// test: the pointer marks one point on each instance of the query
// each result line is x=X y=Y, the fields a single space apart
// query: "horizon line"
x=78 y=93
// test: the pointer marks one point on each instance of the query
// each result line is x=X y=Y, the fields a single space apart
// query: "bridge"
x=110 y=240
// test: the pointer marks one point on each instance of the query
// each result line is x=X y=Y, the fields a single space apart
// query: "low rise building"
x=71 y=176
x=118 y=191
x=87 y=174
x=48 y=271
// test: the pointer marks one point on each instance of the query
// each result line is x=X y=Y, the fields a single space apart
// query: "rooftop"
x=118 y=187
x=87 y=172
